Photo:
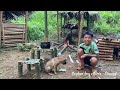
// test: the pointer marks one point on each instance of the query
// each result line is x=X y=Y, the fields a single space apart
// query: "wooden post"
x=80 y=27
x=20 y=69
x=61 y=23
x=46 y=28
x=88 y=22
x=1 y=14
x=37 y=68
x=57 y=27
x=26 y=26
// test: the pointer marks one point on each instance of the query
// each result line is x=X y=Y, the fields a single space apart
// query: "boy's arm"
x=96 y=51
x=93 y=55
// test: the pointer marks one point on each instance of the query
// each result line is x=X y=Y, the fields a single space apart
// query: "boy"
x=88 y=51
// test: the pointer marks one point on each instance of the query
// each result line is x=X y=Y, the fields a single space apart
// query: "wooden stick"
x=63 y=49
x=72 y=48
x=70 y=58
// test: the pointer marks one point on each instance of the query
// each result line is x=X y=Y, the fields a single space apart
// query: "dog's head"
x=63 y=59
x=64 y=62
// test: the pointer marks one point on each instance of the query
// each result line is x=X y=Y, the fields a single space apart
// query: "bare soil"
x=9 y=68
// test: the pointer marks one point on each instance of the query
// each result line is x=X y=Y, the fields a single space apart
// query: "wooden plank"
x=11 y=36
x=8 y=25
x=14 y=29
x=11 y=32
x=105 y=48
x=11 y=41
x=102 y=53
x=108 y=59
x=110 y=51
x=108 y=46
x=109 y=43
x=112 y=41
x=10 y=44
x=105 y=56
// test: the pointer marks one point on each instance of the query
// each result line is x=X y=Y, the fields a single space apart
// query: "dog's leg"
x=55 y=69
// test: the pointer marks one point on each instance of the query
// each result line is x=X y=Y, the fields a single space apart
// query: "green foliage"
x=21 y=47
x=108 y=23
x=36 y=24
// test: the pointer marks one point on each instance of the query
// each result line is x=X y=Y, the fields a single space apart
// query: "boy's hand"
x=84 y=55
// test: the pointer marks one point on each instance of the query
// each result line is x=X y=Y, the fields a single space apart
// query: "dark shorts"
x=86 y=59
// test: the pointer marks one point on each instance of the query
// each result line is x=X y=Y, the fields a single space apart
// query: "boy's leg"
x=79 y=54
x=93 y=62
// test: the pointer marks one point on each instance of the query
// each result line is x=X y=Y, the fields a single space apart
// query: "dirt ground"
x=9 y=68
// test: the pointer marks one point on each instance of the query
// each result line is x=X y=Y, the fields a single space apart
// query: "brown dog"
x=54 y=62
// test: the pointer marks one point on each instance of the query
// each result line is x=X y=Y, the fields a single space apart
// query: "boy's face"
x=87 y=39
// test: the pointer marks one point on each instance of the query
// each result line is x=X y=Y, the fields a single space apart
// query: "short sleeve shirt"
x=91 y=49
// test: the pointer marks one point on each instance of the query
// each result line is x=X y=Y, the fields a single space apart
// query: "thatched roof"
x=76 y=14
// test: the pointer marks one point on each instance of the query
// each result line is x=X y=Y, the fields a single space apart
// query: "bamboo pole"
x=80 y=27
x=26 y=26
x=57 y=27
x=46 y=28
x=1 y=12
x=20 y=69
x=38 y=54
x=61 y=25
x=37 y=68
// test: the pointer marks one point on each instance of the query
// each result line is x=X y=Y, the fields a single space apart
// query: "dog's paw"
x=56 y=73
x=50 y=74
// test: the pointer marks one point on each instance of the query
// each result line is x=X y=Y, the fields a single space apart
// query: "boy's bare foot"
x=79 y=68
